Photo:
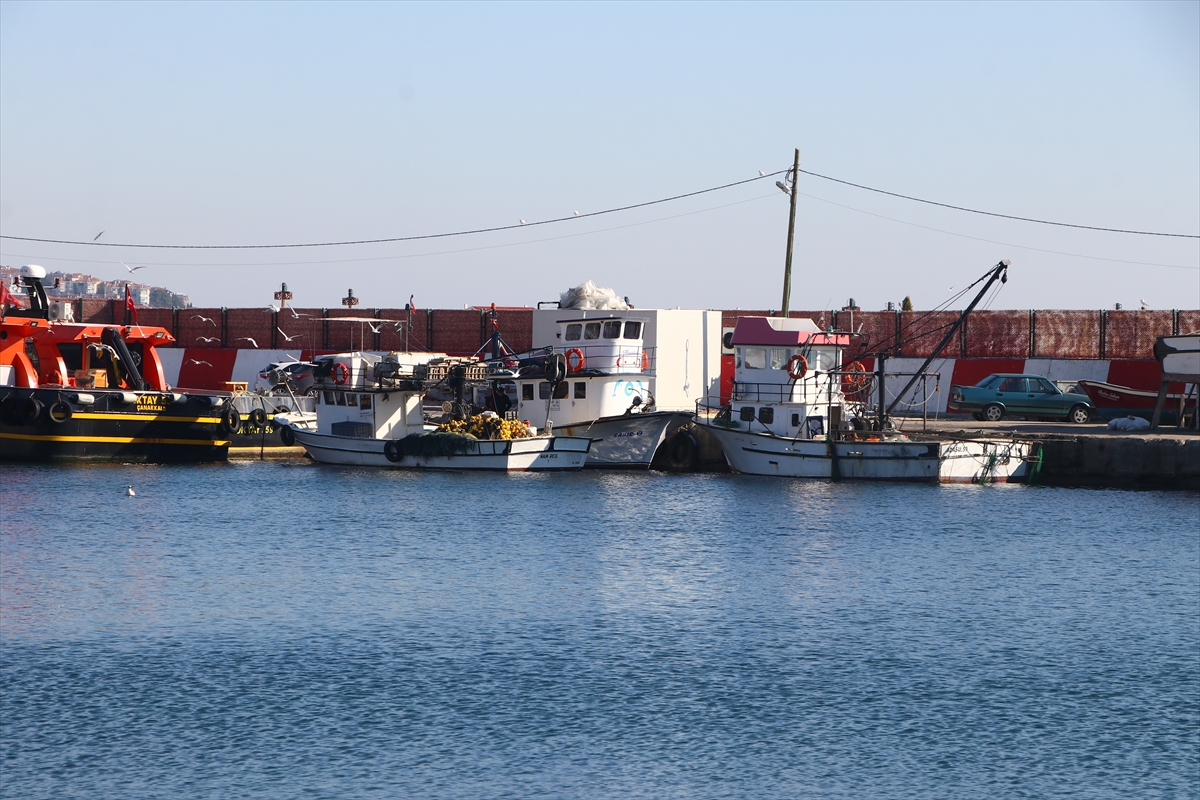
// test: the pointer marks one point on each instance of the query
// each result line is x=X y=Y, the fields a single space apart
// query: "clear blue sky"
x=243 y=123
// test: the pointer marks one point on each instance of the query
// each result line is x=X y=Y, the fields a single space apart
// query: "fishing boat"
x=369 y=413
x=605 y=395
x=798 y=411
x=73 y=390
x=1113 y=401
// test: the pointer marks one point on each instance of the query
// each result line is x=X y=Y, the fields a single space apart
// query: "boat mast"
x=998 y=272
x=787 y=270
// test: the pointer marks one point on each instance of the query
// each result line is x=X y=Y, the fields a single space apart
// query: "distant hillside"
x=78 y=286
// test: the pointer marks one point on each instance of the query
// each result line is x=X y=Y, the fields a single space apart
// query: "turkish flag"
x=7 y=298
x=129 y=306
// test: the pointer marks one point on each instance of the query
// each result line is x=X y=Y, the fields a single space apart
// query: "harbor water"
x=280 y=630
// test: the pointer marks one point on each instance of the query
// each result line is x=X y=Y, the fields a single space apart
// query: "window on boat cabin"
x=591 y=330
x=560 y=390
x=1012 y=385
x=779 y=357
x=328 y=398
x=364 y=401
x=341 y=398
x=766 y=415
x=352 y=400
x=580 y=390
x=755 y=358
x=612 y=329
x=747 y=413
x=72 y=356
x=527 y=391
x=573 y=332
x=823 y=358
x=633 y=330
x=795 y=420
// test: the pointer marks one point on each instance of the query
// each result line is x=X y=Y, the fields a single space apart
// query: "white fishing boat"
x=798 y=411
x=605 y=394
x=369 y=414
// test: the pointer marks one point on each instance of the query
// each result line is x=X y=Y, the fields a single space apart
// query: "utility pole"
x=787 y=272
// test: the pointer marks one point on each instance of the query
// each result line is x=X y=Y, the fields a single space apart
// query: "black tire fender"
x=258 y=418
x=391 y=450
x=60 y=411
x=286 y=436
x=30 y=410
x=682 y=451
x=231 y=420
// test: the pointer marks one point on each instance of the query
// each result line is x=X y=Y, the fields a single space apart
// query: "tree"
x=907 y=304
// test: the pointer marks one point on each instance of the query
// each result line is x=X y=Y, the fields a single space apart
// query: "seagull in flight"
x=203 y=318
x=296 y=315
x=194 y=361
x=97 y=236
x=207 y=339
x=131 y=269
x=287 y=338
x=271 y=309
x=247 y=339
x=375 y=328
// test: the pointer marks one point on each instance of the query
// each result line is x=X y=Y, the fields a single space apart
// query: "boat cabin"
x=366 y=396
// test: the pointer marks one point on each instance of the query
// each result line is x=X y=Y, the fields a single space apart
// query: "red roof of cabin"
x=760 y=331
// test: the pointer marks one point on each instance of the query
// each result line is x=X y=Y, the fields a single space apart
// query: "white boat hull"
x=625 y=442
x=968 y=461
x=504 y=455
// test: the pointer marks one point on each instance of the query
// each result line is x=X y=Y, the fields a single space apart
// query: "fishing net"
x=426 y=445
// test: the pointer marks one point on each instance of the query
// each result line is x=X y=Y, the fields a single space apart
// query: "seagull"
x=577 y=213
x=295 y=315
x=246 y=339
x=98 y=235
x=287 y=338
x=522 y=222
x=131 y=269
x=207 y=339
x=271 y=309
x=762 y=174
x=203 y=319
x=374 y=328
x=129 y=492
x=1145 y=305
x=194 y=361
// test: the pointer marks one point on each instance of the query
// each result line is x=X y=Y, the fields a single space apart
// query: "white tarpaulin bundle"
x=589 y=296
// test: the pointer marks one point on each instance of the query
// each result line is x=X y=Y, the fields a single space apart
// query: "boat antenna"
x=996 y=273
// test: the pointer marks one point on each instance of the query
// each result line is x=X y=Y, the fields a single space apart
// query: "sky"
x=283 y=123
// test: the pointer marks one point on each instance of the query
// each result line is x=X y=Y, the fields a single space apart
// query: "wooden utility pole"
x=787 y=271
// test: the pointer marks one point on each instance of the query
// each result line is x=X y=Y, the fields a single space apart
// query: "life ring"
x=340 y=373
x=286 y=435
x=797 y=367
x=574 y=353
x=855 y=377
x=60 y=411
x=645 y=361
x=391 y=450
x=231 y=420
x=258 y=418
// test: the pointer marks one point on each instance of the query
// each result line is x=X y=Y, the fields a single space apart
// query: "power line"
x=994 y=214
x=398 y=238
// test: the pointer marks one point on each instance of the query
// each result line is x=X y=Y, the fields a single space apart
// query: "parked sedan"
x=998 y=396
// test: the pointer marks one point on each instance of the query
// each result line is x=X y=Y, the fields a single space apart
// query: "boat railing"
x=617 y=355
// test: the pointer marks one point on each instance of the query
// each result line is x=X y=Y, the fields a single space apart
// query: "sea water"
x=264 y=630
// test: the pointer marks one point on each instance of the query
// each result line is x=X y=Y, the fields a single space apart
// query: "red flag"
x=7 y=298
x=129 y=304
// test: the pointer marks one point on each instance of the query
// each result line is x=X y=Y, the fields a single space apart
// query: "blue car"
x=1030 y=396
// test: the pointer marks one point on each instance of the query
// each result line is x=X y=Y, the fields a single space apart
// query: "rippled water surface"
x=288 y=630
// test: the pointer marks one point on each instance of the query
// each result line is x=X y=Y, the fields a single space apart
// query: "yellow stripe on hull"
x=113 y=440
x=147 y=417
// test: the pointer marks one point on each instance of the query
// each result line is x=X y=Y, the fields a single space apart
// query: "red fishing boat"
x=73 y=390
x=1113 y=402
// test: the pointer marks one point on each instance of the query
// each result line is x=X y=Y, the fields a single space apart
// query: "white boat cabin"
x=609 y=373
x=351 y=402
x=787 y=377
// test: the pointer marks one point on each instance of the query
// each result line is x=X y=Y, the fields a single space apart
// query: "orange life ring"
x=645 y=361
x=797 y=367
x=856 y=376
x=573 y=353
x=340 y=373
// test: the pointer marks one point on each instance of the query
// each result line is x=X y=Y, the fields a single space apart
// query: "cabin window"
x=527 y=391
x=72 y=356
x=756 y=358
x=341 y=398
x=560 y=390
x=352 y=400
x=574 y=331
x=591 y=330
x=633 y=330
x=328 y=398
x=747 y=413
x=766 y=415
x=580 y=390
x=612 y=329
x=816 y=427
x=779 y=357
x=795 y=420
x=364 y=401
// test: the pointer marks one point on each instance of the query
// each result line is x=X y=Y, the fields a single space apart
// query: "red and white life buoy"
x=797 y=367
x=340 y=373
x=575 y=360
x=645 y=362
